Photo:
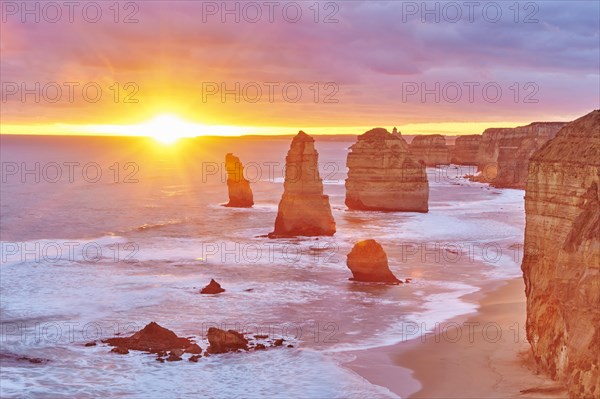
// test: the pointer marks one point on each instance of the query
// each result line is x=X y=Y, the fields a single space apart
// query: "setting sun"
x=167 y=129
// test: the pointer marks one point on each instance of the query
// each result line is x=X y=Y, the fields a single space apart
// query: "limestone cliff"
x=562 y=255
x=507 y=140
x=466 y=149
x=430 y=149
x=383 y=176
x=303 y=209
x=240 y=193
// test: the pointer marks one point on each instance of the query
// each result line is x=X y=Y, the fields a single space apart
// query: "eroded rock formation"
x=222 y=341
x=240 y=193
x=383 y=176
x=154 y=339
x=368 y=262
x=430 y=149
x=212 y=288
x=303 y=209
x=496 y=157
x=562 y=255
x=466 y=149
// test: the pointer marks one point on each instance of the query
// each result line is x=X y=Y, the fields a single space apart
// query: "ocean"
x=101 y=236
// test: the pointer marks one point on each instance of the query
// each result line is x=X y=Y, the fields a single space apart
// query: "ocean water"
x=101 y=236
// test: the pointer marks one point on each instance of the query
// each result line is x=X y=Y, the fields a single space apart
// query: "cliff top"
x=577 y=142
x=378 y=133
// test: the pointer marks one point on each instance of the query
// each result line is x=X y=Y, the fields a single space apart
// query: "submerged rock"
x=383 y=176
x=303 y=209
x=212 y=288
x=561 y=262
x=240 y=193
x=222 y=341
x=368 y=262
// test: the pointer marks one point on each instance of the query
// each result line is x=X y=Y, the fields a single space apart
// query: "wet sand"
x=482 y=355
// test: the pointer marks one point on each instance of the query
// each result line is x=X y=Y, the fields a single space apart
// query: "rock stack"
x=430 y=149
x=368 y=262
x=303 y=209
x=240 y=193
x=465 y=150
x=383 y=176
x=561 y=263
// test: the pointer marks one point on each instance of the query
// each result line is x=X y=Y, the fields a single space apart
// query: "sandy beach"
x=479 y=355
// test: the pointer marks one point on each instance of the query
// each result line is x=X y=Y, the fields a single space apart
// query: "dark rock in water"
x=194 y=349
x=93 y=343
x=261 y=336
x=160 y=359
x=212 y=288
x=174 y=356
x=290 y=346
x=8 y=357
x=120 y=350
x=222 y=341
x=194 y=358
x=368 y=262
x=152 y=338
x=240 y=193
x=259 y=347
x=278 y=342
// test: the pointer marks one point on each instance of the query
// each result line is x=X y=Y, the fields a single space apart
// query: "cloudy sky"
x=453 y=67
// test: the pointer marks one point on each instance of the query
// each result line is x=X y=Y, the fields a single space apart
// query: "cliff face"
x=430 y=149
x=240 y=194
x=466 y=149
x=493 y=140
x=513 y=163
x=562 y=255
x=383 y=176
x=303 y=209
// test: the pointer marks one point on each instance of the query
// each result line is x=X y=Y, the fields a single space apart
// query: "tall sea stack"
x=562 y=255
x=240 y=193
x=303 y=209
x=383 y=176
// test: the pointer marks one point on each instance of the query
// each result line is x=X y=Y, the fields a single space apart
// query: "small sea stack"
x=368 y=262
x=303 y=210
x=212 y=288
x=153 y=338
x=240 y=193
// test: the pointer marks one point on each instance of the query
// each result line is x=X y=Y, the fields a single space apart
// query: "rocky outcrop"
x=493 y=140
x=383 y=176
x=430 y=149
x=240 y=193
x=212 y=288
x=562 y=256
x=154 y=339
x=368 y=262
x=222 y=341
x=303 y=209
x=466 y=149
x=513 y=163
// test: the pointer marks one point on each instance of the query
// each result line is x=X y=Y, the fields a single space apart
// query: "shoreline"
x=480 y=355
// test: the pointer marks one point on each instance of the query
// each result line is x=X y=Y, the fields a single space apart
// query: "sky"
x=278 y=67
